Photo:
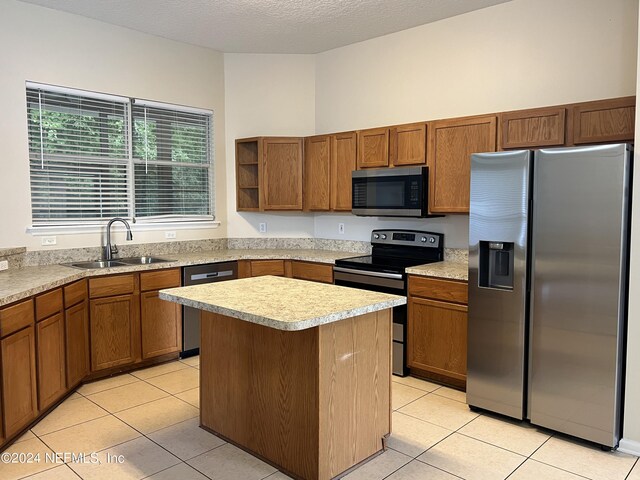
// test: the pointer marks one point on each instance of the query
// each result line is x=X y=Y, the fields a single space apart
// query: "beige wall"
x=47 y=46
x=267 y=95
x=631 y=434
x=520 y=54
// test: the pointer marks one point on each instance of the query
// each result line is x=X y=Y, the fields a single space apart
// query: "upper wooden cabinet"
x=343 y=162
x=408 y=144
x=328 y=163
x=317 y=173
x=248 y=174
x=373 y=148
x=392 y=146
x=451 y=143
x=269 y=173
x=282 y=173
x=610 y=120
x=540 y=127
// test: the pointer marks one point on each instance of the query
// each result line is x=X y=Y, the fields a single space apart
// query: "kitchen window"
x=93 y=157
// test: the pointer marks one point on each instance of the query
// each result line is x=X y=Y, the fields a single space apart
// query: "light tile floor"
x=149 y=418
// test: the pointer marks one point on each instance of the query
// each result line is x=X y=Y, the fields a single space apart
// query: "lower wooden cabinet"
x=19 y=388
x=316 y=272
x=161 y=321
x=437 y=329
x=258 y=268
x=51 y=360
x=115 y=331
x=77 y=338
x=438 y=332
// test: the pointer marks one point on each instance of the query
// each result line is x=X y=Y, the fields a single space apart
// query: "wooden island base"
x=312 y=402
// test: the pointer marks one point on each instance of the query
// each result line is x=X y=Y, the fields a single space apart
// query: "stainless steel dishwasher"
x=197 y=275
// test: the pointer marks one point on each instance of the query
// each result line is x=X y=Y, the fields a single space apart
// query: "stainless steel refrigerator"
x=548 y=268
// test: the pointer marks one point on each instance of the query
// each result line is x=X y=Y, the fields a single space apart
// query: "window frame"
x=138 y=223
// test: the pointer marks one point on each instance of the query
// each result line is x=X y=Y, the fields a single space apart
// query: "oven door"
x=386 y=283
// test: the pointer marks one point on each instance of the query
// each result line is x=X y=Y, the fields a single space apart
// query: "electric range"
x=392 y=251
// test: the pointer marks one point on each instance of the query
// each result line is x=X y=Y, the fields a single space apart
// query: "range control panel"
x=412 y=238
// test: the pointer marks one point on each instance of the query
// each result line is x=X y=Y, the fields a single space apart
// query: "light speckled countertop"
x=16 y=284
x=282 y=303
x=24 y=282
x=447 y=269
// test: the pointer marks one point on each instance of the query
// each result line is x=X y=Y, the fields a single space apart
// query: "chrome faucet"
x=111 y=250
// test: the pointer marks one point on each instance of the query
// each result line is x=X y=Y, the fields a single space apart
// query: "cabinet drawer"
x=446 y=290
x=16 y=317
x=159 y=279
x=48 y=304
x=74 y=293
x=267 y=267
x=113 y=285
x=316 y=272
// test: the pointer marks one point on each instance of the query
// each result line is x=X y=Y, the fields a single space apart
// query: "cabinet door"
x=317 y=152
x=77 y=335
x=437 y=337
x=408 y=144
x=373 y=148
x=540 y=127
x=610 y=120
x=52 y=382
x=315 y=272
x=161 y=325
x=19 y=391
x=282 y=173
x=343 y=162
x=115 y=331
x=267 y=267
x=451 y=143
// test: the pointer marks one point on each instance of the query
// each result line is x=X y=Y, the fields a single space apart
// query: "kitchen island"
x=295 y=372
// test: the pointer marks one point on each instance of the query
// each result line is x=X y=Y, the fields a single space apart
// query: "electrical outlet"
x=4 y=265
x=49 y=241
x=170 y=235
x=262 y=226
x=341 y=228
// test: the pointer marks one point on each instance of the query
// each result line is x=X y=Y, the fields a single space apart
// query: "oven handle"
x=368 y=273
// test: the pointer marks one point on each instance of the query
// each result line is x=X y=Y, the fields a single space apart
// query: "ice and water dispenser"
x=496 y=265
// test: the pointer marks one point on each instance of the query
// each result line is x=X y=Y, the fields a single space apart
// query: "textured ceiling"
x=268 y=26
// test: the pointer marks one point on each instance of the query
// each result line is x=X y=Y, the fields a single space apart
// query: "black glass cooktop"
x=379 y=263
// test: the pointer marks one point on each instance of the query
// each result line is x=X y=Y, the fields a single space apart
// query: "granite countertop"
x=282 y=303
x=16 y=284
x=453 y=270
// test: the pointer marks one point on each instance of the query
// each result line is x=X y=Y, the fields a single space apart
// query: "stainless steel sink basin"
x=120 y=262
x=142 y=260
x=98 y=264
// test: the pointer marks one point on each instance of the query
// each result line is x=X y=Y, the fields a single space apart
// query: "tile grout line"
x=530 y=457
x=492 y=444
x=632 y=467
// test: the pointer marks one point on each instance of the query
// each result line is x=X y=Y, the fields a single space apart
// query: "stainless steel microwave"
x=390 y=192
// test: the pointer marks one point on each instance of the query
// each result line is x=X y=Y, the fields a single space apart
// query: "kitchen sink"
x=142 y=260
x=98 y=264
x=120 y=262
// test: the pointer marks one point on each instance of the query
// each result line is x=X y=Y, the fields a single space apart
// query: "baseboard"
x=629 y=446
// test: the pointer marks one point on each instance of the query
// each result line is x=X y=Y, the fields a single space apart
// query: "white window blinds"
x=172 y=163
x=78 y=157
x=93 y=157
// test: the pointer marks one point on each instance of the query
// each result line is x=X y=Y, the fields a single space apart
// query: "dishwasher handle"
x=204 y=276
